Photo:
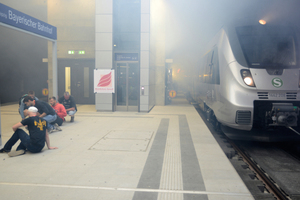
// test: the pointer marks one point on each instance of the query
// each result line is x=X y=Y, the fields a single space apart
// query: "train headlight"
x=247 y=77
x=262 y=22
x=248 y=81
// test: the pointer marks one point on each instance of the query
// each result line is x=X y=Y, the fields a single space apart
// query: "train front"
x=271 y=53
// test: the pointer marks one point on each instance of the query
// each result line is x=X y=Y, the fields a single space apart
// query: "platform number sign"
x=172 y=93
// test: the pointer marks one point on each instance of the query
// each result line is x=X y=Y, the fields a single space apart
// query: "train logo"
x=277 y=82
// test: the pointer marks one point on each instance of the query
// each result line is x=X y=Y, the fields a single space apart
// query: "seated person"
x=35 y=141
x=69 y=103
x=59 y=109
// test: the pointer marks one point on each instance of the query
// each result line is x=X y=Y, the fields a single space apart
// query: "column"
x=145 y=55
x=104 y=47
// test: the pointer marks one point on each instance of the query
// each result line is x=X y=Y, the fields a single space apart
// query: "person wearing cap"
x=35 y=141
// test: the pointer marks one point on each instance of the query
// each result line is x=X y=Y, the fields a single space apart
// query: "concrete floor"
x=104 y=155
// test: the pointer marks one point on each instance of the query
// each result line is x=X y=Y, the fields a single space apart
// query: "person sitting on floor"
x=35 y=141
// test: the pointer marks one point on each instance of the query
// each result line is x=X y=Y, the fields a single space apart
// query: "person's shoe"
x=51 y=129
x=72 y=119
x=56 y=127
x=16 y=153
x=4 y=151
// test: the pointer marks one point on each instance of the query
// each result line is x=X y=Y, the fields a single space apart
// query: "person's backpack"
x=21 y=98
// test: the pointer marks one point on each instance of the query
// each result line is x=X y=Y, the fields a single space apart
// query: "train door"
x=127 y=86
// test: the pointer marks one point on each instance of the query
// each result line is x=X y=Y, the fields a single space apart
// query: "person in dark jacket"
x=45 y=111
x=22 y=106
x=69 y=103
x=35 y=141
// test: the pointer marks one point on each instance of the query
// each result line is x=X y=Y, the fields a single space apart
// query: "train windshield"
x=268 y=46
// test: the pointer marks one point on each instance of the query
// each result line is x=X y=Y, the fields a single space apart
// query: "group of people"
x=40 y=118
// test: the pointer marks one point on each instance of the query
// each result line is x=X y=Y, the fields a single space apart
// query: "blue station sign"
x=25 y=22
x=126 y=56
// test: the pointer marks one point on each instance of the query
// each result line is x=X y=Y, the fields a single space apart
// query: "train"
x=248 y=80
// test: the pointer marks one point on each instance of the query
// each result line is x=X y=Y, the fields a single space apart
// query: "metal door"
x=127 y=86
x=77 y=79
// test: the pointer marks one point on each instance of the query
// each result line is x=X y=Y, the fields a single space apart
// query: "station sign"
x=126 y=56
x=25 y=22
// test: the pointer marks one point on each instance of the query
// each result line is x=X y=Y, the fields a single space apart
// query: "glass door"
x=127 y=86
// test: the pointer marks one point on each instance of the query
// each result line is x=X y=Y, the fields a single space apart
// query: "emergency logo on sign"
x=105 y=80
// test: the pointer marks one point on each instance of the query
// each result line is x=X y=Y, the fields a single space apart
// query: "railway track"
x=271 y=186
x=269 y=170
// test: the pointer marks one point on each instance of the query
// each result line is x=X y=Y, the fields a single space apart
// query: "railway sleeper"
x=254 y=185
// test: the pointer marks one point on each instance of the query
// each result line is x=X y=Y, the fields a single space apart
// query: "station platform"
x=168 y=153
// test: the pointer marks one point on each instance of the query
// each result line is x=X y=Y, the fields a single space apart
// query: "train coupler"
x=283 y=114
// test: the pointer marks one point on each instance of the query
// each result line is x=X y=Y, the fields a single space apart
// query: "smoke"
x=21 y=56
x=190 y=24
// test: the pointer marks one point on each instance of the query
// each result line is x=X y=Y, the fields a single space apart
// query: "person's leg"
x=58 y=121
x=25 y=145
x=34 y=148
x=18 y=134
x=25 y=141
x=50 y=119
x=72 y=113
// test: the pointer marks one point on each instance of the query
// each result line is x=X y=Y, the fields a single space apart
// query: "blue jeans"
x=72 y=112
x=25 y=142
x=50 y=119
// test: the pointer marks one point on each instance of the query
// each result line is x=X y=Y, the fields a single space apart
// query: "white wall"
x=145 y=55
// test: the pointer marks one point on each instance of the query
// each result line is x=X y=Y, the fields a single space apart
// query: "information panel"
x=126 y=56
x=22 y=21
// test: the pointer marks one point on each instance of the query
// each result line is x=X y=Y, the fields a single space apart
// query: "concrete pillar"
x=158 y=36
x=145 y=56
x=104 y=47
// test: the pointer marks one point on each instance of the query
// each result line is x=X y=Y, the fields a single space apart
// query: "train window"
x=201 y=69
x=209 y=72
x=266 y=47
x=215 y=67
x=207 y=68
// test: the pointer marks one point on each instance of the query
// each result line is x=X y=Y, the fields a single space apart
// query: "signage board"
x=25 y=22
x=104 y=81
x=126 y=56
